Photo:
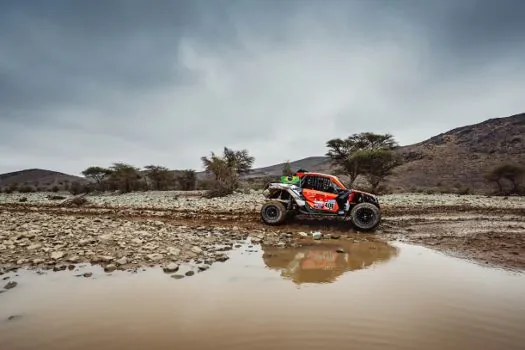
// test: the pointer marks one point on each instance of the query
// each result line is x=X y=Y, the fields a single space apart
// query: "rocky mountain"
x=461 y=157
x=38 y=179
x=454 y=160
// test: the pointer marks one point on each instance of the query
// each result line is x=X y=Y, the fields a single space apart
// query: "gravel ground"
x=254 y=199
x=168 y=229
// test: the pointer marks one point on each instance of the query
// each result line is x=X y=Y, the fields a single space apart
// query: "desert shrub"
x=55 y=189
x=511 y=173
x=218 y=191
x=26 y=189
x=23 y=199
x=75 y=188
x=444 y=190
x=430 y=191
x=79 y=201
x=464 y=191
x=12 y=187
x=8 y=190
x=187 y=180
x=55 y=197
x=204 y=184
x=225 y=171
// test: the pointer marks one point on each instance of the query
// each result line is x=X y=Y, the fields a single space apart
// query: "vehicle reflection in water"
x=326 y=261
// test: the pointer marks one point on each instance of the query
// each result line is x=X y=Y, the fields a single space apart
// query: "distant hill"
x=453 y=160
x=460 y=157
x=39 y=179
x=309 y=163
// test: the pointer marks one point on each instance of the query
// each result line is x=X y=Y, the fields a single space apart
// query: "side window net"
x=317 y=183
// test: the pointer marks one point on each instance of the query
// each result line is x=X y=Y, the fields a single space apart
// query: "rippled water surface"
x=367 y=296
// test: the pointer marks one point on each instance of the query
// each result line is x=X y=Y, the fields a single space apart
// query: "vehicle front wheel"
x=273 y=213
x=365 y=216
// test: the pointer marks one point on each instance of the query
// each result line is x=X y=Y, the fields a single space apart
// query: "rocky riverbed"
x=252 y=200
x=167 y=229
x=49 y=241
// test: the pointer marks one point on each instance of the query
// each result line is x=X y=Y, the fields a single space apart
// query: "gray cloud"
x=85 y=83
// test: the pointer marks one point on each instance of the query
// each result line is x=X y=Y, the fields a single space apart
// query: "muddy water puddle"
x=366 y=295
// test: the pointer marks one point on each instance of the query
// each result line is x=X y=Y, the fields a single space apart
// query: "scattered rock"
x=177 y=277
x=10 y=285
x=86 y=241
x=73 y=259
x=174 y=252
x=136 y=241
x=170 y=268
x=340 y=250
x=14 y=317
x=155 y=257
x=60 y=267
x=122 y=261
x=57 y=255
x=203 y=267
x=110 y=268
x=190 y=273
x=222 y=258
x=317 y=235
x=87 y=274
x=196 y=250
x=302 y=234
x=105 y=238
x=106 y=258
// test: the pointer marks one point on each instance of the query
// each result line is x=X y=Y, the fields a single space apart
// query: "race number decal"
x=330 y=204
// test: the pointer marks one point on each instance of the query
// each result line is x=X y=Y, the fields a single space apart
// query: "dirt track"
x=488 y=234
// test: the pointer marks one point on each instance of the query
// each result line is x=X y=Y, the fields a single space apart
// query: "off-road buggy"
x=317 y=194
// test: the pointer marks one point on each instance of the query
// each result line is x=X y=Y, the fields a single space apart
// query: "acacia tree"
x=377 y=164
x=159 y=175
x=126 y=177
x=226 y=169
x=187 y=179
x=240 y=161
x=343 y=152
x=510 y=172
x=98 y=174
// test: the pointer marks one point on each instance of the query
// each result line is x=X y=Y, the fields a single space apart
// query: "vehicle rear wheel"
x=365 y=216
x=273 y=213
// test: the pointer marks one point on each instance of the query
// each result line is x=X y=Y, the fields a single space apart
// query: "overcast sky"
x=166 y=82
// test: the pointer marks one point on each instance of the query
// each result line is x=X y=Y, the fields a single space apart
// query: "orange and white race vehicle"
x=317 y=194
